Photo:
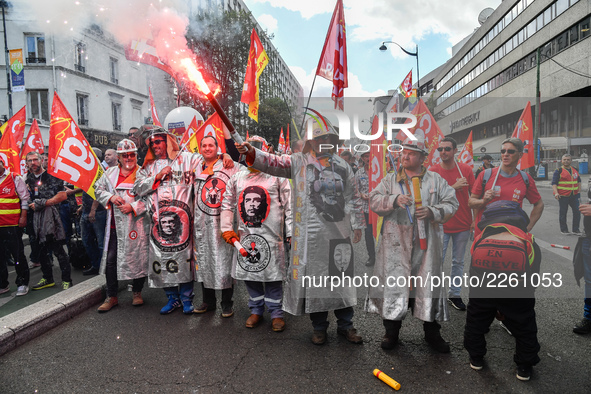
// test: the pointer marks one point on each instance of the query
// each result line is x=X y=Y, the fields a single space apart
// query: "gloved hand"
x=229 y=235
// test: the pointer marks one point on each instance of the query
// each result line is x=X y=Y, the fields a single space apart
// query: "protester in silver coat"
x=399 y=252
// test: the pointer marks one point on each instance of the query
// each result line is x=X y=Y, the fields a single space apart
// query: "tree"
x=273 y=115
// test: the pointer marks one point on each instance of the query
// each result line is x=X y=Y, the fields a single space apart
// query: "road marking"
x=5 y=300
x=567 y=254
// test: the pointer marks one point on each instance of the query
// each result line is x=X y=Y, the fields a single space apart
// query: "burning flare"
x=195 y=76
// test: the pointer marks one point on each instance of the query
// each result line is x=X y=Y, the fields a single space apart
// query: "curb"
x=30 y=322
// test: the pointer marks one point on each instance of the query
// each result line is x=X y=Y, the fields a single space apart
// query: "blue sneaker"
x=173 y=303
x=188 y=307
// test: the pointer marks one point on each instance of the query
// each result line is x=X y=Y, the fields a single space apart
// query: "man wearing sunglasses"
x=508 y=183
x=458 y=228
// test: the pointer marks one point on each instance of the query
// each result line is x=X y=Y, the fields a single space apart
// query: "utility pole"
x=8 y=89
x=538 y=110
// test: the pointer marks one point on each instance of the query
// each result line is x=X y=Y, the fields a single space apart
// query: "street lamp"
x=415 y=54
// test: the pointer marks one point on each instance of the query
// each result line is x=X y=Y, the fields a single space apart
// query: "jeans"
x=460 y=240
x=93 y=237
x=564 y=203
x=587 y=276
x=111 y=269
x=344 y=319
x=11 y=244
x=183 y=292
x=369 y=240
x=265 y=293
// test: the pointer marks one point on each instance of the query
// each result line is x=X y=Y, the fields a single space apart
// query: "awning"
x=550 y=143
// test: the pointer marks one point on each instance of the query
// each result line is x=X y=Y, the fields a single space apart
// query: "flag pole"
x=307 y=105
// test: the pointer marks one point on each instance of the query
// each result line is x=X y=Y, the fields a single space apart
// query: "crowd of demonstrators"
x=402 y=251
x=458 y=228
x=350 y=159
x=566 y=185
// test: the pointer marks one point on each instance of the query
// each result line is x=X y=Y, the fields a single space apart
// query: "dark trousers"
x=35 y=255
x=57 y=247
x=11 y=245
x=209 y=297
x=571 y=201
x=369 y=240
x=111 y=269
x=520 y=318
x=344 y=319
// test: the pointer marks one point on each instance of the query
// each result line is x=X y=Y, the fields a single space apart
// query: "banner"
x=406 y=85
x=427 y=127
x=377 y=165
x=524 y=130
x=212 y=126
x=70 y=156
x=467 y=154
x=143 y=50
x=16 y=70
x=33 y=143
x=155 y=119
x=9 y=154
x=257 y=61
x=12 y=139
x=281 y=148
x=333 y=60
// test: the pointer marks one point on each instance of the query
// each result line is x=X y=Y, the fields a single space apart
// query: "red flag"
x=426 y=126
x=155 y=119
x=257 y=61
x=212 y=126
x=143 y=51
x=377 y=167
x=191 y=129
x=333 y=60
x=247 y=135
x=12 y=139
x=406 y=85
x=467 y=154
x=281 y=145
x=525 y=132
x=70 y=156
x=33 y=143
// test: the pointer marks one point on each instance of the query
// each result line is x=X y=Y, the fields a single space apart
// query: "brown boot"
x=319 y=337
x=278 y=324
x=109 y=303
x=137 y=299
x=351 y=335
x=253 y=321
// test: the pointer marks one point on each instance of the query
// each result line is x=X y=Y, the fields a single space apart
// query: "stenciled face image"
x=168 y=226
x=342 y=256
x=252 y=203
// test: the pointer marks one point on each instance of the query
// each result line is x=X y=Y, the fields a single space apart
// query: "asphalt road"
x=137 y=350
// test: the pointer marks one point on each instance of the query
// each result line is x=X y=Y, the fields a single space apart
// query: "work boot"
x=433 y=337
x=351 y=335
x=390 y=340
x=204 y=308
x=173 y=303
x=583 y=327
x=109 y=304
x=253 y=321
x=137 y=299
x=278 y=324
x=319 y=337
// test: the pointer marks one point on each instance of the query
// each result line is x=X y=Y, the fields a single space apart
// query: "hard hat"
x=125 y=146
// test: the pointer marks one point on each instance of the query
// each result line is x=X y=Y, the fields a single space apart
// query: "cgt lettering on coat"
x=171 y=266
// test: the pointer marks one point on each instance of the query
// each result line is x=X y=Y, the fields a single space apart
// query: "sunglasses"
x=128 y=155
x=156 y=142
x=509 y=151
x=447 y=149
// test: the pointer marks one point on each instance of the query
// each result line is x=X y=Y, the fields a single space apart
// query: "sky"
x=300 y=28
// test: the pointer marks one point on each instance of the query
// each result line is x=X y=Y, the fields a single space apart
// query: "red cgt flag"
x=212 y=126
x=333 y=60
x=525 y=132
x=155 y=119
x=426 y=126
x=467 y=154
x=191 y=129
x=377 y=165
x=257 y=61
x=143 y=50
x=12 y=140
x=281 y=145
x=33 y=143
x=70 y=156
x=406 y=85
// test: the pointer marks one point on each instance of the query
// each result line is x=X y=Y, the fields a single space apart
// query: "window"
x=561 y=6
x=35 y=48
x=584 y=28
x=114 y=67
x=38 y=104
x=116 y=112
x=82 y=107
x=80 y=57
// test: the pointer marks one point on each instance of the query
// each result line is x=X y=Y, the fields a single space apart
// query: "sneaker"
x=583 y=327
x=566 y=233
x=22 y=290
x=173 y=303
x=227 y=312
x=43 y=284
x=351 y=335
x=67 y=285
x=6 y=290
x=524 y=373
x=476 y=363
x=457 y=303
x=188 y=307
x=34 y=265
x=204 y=308
x=503 y=326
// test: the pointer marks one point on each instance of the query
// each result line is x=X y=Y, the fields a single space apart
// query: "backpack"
x=488 y=173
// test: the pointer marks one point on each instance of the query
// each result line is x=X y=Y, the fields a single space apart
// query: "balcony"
x=36 y=60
